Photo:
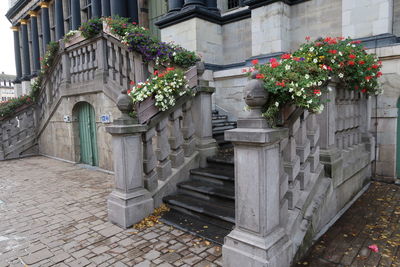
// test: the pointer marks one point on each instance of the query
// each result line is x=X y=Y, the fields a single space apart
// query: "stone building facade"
x=7 y=90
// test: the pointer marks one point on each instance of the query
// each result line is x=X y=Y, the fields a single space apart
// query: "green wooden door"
x=87 y=134
x=398 y=140
x=157 y=8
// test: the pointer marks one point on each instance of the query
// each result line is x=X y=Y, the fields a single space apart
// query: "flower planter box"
x=107 y=30
x=77 y=38
x=146 y=109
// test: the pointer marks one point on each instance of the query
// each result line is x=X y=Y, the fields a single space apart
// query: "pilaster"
x=26 y=62
x=35 y=42
x=45 y=23
x=17 y=54
x=96 y=8
x=76 y=14
x=59 y=19
x=118 y=8
x=105 y=8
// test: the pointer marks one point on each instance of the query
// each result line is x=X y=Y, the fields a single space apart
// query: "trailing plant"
x=300 y=78
x=165 y=86
x=91 y=28
x=139 y=39
x=48 y=59
x=9 y=107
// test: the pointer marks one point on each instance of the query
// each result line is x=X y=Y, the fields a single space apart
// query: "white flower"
x=290 y=90
x=311 y=49
x=333 y=61
x=315 y=60
x=309 y=101
x=319 y=83
x=307 y=76
x=320 y=109
x=341 y=75
x=340 y=53
x=287 y=67
x=276 y=104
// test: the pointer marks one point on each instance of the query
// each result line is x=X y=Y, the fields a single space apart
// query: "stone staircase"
x=205 y=204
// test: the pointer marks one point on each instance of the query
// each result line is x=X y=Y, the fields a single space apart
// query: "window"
x=233 y=3
x=87 y=9
x=68 y=18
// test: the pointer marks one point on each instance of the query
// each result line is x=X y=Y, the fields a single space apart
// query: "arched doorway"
x=87 y=134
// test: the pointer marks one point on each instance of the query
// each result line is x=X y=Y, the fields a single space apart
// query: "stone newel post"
x=258 y=238
x=129 y=202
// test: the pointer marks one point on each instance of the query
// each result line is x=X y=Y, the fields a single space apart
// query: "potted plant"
x=72 y=38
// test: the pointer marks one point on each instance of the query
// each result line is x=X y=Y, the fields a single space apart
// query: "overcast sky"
x=7 y=61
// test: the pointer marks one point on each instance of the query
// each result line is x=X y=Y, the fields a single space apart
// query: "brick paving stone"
x=55 y=214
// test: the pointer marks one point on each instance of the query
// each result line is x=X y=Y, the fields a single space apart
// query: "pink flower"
x=374 y=248
x=254 y=61
x=308 y=38
x=260 y=76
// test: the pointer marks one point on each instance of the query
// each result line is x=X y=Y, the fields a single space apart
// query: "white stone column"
x=270 y=28
x=129 y=202
x=259 y=239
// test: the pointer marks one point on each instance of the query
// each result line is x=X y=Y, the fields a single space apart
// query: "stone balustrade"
x=18 y=133
x=305 y=170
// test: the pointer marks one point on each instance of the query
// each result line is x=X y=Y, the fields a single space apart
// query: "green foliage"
x=69 y=35
x=91 y=28
x=48 y=60
x=9 y=107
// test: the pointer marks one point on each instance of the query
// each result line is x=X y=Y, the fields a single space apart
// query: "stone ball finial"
x=255 y=95
x=125 y=105
x=124 y=102
x=200 y=68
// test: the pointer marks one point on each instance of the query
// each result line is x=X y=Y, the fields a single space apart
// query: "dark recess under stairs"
x=205 y=204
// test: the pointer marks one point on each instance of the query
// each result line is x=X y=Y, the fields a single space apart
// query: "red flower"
x=272 y=60
x=244 y=70
x=286 y=56
x=375 y=66
x=368 y=78
x=341 y=38
x=308 y=38
x=327 y=39
x=355 y=42
x=317 y=91
x=260 y=76
x=132 y=83
x=332 y=51
x=254 y=61
x=134 y=23
x=351 y=63
x=361 y=62
x=161 y=75
x=170 y=69
x=318 y=44
x=332 y=41
x=296 y=58
x=274 y=64
x=356 y=87
x=364 y=90
x=379 y=74
x=281 y=84
x=155 y=72
x=129 y=91
x=352 y=56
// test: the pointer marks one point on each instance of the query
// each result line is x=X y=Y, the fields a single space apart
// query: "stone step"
x=209 y=189
x=219 y=117
x=199 y=225
x=215 y=112
x=221 y=130
x=213 y=209
x=224 y=123
x=225 y=162
x=213 y=175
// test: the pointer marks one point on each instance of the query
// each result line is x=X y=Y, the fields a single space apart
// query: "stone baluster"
x=101 y=58
x=303 y=151
x=129 y=202
x=150 y=160
x=258 y=229
x=313 y=136
x=163 y=150
x=202 y=114
x=176 y=139
x=188 y=129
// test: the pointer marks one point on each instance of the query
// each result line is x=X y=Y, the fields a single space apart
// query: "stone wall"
x=385 y=114
x=396 y=18
x=60 y=139
x=237 y=41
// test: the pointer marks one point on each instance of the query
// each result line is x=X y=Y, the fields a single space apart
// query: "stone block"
x=164 y=169
x=313 y=136
x=314 y=159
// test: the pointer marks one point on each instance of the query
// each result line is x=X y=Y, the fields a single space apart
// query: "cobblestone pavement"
x=374 y=219
x=53 y=213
